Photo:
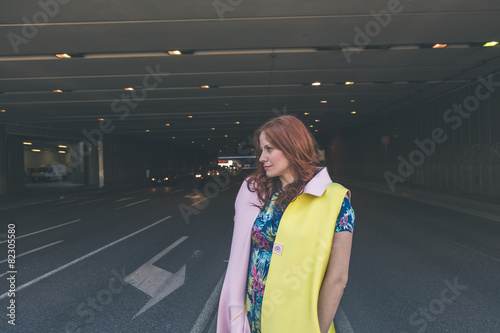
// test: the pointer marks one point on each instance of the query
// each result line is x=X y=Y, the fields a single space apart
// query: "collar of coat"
x=318 y=184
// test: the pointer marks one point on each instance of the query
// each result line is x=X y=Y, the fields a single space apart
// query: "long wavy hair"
x=288 y=134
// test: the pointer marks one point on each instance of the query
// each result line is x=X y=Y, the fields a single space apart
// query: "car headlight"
x=166 y=178
x=198 y=175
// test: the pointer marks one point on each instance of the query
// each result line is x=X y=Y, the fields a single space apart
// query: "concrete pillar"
x=100 y=150
x=92 y=165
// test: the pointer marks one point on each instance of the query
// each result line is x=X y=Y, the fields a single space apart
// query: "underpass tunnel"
x=126 y=130
x=447 y=143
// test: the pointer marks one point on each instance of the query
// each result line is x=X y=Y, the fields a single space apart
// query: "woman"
x=289 y=279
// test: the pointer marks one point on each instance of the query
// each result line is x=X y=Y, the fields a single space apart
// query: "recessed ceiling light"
x=36 y=150
x=439 y=46
x=317 y=120
x=324 y=102
x=213 y=128
x=349 y=83
x=101 y=119
x=208 y=139
x=2 y=111
x=57 y=91
x=190 y=117
x=61 y=152
x=63 y=56
x=306 y=113
x=490 y=44
x=148 y=131
x=27 y=143
x=128 y=89
x=205 y=86
x=311 y=126
x=192 y=141
x=237 y=122
x=62 y=146
x=225 y=135
x=167 y=124
x=315 y=130
x=316 y=84
x=175 y=52
x=173 y=137
x=353 y=112
x=353 y=100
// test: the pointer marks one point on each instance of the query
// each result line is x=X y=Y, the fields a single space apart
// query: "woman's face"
x=275 y=162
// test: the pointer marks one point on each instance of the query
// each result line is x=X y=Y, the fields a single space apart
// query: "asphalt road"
x=119 y=261
x=129 y=261
x=420 y=268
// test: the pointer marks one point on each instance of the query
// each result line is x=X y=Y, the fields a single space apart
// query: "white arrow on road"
x=156 y=282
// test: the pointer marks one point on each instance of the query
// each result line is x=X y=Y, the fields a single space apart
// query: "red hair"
x=289 y=135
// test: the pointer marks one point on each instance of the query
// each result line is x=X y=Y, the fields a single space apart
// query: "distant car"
x=54 y=172
x=216 y=171
x=164 y=177
x=200 y=177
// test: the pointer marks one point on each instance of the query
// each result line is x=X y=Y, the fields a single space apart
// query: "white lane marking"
x=198 y=202
x=208 y=309
x=342 y=324
x=177 y=191
x=470 y=249
x=34 y=250
x=133 y=203
x=83 y=257
x=124 y=199
x=156 y=282
x=37 y=232
x=128 y=198
x=86 y=202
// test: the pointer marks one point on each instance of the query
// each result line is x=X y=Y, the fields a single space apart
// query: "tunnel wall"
x=125 y=158
x=448 y=144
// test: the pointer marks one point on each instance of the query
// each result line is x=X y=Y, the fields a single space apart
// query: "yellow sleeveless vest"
x=298 y=263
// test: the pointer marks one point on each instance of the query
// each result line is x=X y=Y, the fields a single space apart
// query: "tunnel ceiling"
x=259 y=58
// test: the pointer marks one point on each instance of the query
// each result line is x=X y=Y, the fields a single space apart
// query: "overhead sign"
x=385 y=140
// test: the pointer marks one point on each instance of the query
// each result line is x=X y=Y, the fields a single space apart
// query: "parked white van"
x=56 y=172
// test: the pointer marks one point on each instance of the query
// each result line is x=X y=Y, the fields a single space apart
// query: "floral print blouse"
x=263 y=235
